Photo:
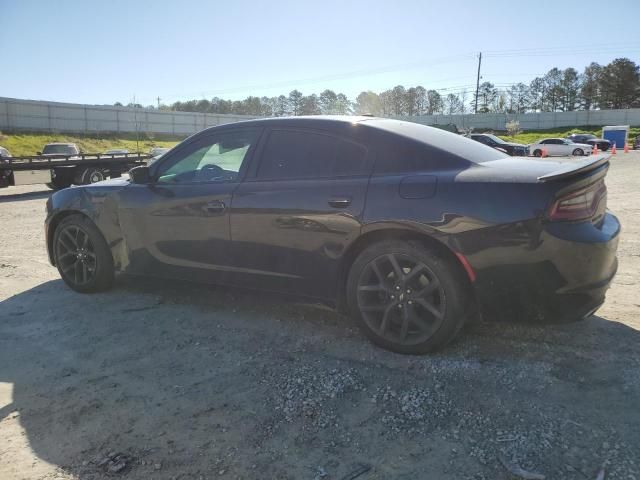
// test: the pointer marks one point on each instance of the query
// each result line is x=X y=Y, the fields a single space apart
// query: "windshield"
x=60 y=150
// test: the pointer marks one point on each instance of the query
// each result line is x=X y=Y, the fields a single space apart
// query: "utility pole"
x=478 y=82
x=158 y=103
x=135 y=119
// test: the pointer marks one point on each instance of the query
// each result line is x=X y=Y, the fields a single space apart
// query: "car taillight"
x=579 y=204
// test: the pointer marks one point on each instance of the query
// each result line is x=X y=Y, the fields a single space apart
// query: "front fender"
x=96 y=203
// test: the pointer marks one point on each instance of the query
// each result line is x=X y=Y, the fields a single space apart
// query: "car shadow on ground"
x=163 y=379
x=16 y=197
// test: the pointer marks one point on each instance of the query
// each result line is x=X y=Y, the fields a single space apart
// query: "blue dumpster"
x=616 y=134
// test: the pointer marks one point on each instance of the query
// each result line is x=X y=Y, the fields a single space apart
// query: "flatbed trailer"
x=61 y=171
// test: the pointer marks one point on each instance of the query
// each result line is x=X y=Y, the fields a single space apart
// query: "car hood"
x=512 y=144
x=112 y=182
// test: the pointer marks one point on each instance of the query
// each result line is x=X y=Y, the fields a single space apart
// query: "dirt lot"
x=156 y=380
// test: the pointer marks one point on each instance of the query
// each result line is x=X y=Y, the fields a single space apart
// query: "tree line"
x=616 y=85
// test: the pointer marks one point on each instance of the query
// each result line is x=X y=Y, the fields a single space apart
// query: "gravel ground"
x=165 y=381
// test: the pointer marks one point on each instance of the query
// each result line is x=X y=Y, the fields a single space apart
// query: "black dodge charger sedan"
x=410 y=229
x=510 y=148
x=590 y=139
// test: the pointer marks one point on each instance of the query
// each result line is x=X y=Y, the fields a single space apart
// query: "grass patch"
x=29 y=143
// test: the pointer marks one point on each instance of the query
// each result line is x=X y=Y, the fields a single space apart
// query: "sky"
x=103 y=51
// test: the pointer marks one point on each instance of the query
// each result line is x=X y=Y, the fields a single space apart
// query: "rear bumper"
x=548 y=272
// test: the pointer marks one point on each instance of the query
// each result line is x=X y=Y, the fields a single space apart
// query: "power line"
x=525 y=52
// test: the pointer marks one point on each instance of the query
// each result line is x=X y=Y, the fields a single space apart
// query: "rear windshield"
x=60 y=149
x=450 y=142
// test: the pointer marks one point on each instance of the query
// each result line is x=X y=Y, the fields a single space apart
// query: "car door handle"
x=217 y=206
x=340 y=202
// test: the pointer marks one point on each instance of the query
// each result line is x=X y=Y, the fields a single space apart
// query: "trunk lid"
x=575 y=190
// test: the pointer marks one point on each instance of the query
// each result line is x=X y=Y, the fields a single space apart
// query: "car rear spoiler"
x=571 y=169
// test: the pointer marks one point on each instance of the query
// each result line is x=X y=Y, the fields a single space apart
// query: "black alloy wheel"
x=401 y=299
x=76 y=255
x=407 y=298
x=82 y=255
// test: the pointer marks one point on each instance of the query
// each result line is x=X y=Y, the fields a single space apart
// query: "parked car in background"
x=60 y=149
x=637 y=143
x=513 y=149
x=559 y=147
x=590 y=139
x=5 y=175
x=390 y=221
x=116 y=151
x=156 y=152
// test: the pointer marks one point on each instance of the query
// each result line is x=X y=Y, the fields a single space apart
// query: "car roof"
x=352 y=126
x=61 y=143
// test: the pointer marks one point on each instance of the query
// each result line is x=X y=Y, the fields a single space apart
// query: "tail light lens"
x=579 y=204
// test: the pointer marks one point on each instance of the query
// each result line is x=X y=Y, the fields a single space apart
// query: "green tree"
x=343 y=105
x=295 y=102
x=487 y=94
x=368 y=103
x=537 y=92
x=570 y=87
x=421 y=100
x=590 y=86
x=398 y=100
x=310 y=105
x=327 y=102
x=620 y=84
x=517 y=98
x=452 y=104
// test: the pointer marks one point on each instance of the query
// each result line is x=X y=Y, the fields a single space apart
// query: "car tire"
x=92 y=175
x=537 y=153
x=82 y=255
x=578 y=152
x=406 y=298
x=59 y=184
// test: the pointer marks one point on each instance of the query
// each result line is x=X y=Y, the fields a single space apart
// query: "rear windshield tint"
x=450 y=142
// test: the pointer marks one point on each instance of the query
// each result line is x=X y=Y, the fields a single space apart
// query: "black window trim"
x=252 y=173
x=196 y=142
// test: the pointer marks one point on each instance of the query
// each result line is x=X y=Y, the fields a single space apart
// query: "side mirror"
x=140 y=174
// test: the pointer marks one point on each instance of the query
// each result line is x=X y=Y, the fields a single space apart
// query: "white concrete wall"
x=535 y=121
x=32 y=115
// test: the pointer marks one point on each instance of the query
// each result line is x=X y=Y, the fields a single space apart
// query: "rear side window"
x=298 y=154
x=408 y=156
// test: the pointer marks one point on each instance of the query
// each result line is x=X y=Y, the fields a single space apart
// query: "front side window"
x=216 y=159
x=297 y=154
